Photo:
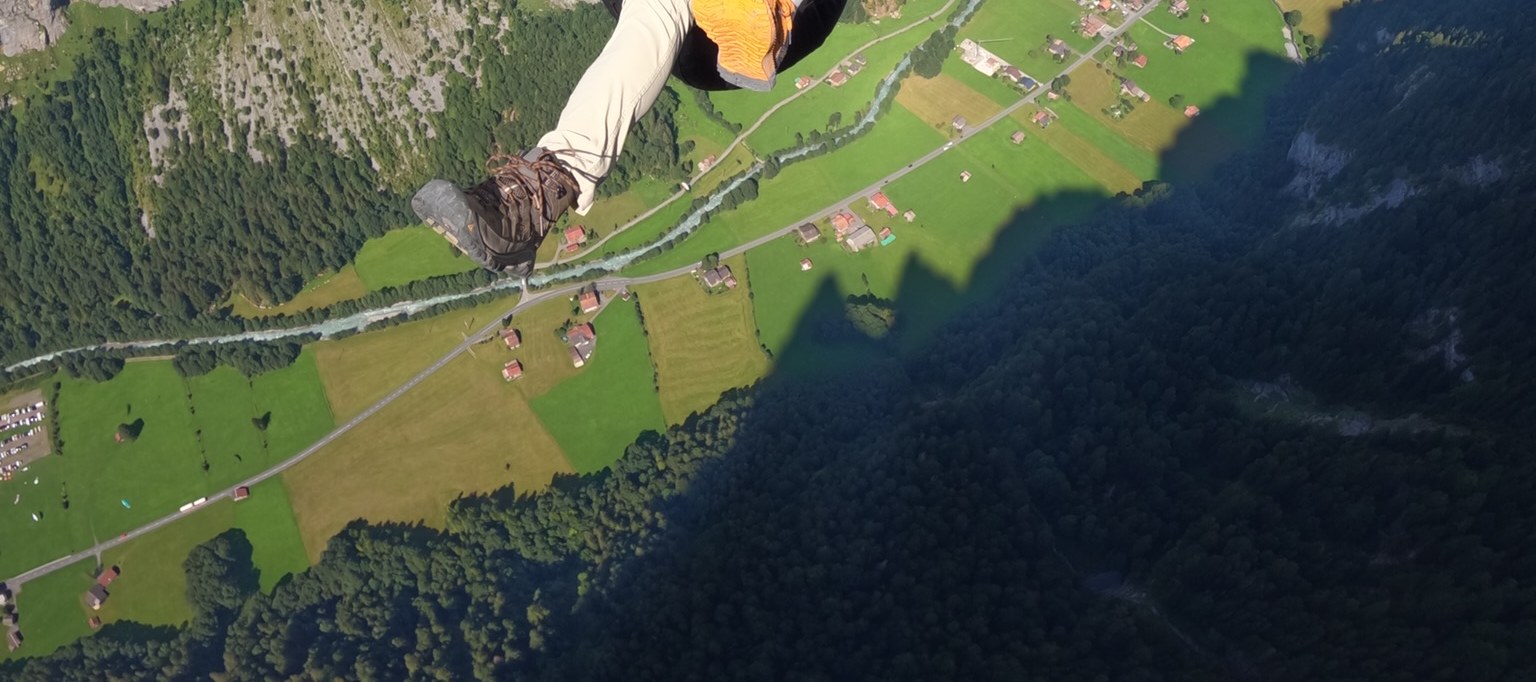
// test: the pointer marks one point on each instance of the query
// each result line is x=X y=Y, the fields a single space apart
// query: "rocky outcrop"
x=27 y=25
x=136 y=5
x=1315 y=163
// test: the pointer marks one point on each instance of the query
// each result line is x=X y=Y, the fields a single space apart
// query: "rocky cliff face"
x=27 y=25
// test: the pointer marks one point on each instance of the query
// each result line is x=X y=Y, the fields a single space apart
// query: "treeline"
x=250 y=358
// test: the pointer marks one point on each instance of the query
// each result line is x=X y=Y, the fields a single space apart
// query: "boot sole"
x=446 y=209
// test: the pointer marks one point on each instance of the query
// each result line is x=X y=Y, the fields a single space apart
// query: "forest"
x=101 y=248
x=1109 y=488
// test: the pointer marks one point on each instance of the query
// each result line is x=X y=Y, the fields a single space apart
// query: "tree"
x=1176 y=101
x=1293 y=18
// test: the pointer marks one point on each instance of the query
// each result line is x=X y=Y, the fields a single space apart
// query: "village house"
x=1012 y=73
x=512 y=371
x=842 y=222
x=575 y=236
x=853 y=67
x=910 y=215
x=805 y=264
x=1132 y=5
x=860 y=239
x=583 y=340
x=1051 y=95
x=1140 y=61
x=1041 y=118
x=958 y=122
x=803 y=82
x=108 y=575
x=880 y=202
x=718 y=276
x=512 y=337
x=1180 y=43
x=1191 y=111
x=837 y=79
x=807 y=233
x=707 y=163
x=1091 y=25
x=242 y=492
x=886 y=236
x=1017 y=137
x=965 y=176
x=96 y=596
x=1129 y=88
x=1179 y=8
x=589 y=301
x=859 y=60
x=1058 y=49
x=1105 y=5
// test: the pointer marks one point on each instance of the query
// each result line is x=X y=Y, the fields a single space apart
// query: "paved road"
x=534 y=298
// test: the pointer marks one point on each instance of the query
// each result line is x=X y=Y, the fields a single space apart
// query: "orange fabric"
x=752 y=34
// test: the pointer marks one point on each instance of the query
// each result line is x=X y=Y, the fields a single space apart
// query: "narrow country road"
x=533 y=298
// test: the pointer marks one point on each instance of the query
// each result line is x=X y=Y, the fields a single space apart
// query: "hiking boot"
x=501 y=221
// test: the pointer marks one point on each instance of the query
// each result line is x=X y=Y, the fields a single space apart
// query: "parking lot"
x=23 y=433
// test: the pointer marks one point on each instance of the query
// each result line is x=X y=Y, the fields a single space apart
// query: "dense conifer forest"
x=1257 y=427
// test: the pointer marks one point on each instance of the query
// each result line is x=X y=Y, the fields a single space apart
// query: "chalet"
x=965 y=176
x=96 y=596
x=1106 y=5
x=242 y=492
x=1180 y=43
x=1041 y=118
x=108 y=575
x=512 y=371
x=575 y=235
x=910 y=215
x=958 y=122
x=854 y=66
x=707 y=163
x=718 y=276
x=880 y=202
x=837 y=79
x=1191 y=111
x=13 y=639
x=711 y=278
x=589 y=301
x=860 y=239
x=1058 y=48
x=1129 y=88
x=1140 y=61
x=807 y=233
x=1091 y=25
x=512 y=337
x=583 y=340
x=886 y=236
x=803 y=82
x=1179 y=8
x=805 y=264
x=1012 y=73
x=842 y=222
x=1017 y=137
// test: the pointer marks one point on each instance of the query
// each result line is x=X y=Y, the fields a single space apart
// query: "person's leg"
x=617 y=89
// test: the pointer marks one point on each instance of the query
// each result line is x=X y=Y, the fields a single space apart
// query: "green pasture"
x=1016 y=31
x=51 y=611
x=406 y=255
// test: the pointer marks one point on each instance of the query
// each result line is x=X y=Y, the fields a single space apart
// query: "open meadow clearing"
x=703 y=343
x=1002 y=92
x=405 y=255
x=50 y=610
x=323 y=291
x=938 y=100
x=1086 y=155
x=360 y=369
x=1217 y=65
x=460 y=432
x=598 y=412
x=806 y=186
x=814 y=109
x=1152 y=126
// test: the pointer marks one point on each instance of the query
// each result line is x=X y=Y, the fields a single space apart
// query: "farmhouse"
x=589 y=301
x=1106 y=5
x=512 y=337
x=583 y=340
x=575 y=236
x=1017 y=137
x=807 y=233
x=1058 y=49
x=880 y=202
x=1041 y=118
x=718 y=276
x=108 y=575
x=1180 y=43
x=707 y=163
x=242 y=492
x=96 y=596
x=958 y=122
x=860 y=239
x=512 y=371
x=1091 y=25
x=855 y=65
x=842 y=222
x=1012 y=73
x=1179 y=8
x=803 y=82
x=1129 y=88
x=1140 y=61
x=837 y=79
x=805 y=264
x=980 y=58
x=1191 y=111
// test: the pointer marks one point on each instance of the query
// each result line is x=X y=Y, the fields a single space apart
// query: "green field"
x=703 y=343
x=995 y=89
x=937 y=101
x=323 y=291
x=1016 y=31
x=806 y=187
x=50 y=610
x=406 y=255
x=813 y=109
x=1217 y=64
x=1138 y=159
x=1316 y=15
x=598 y=412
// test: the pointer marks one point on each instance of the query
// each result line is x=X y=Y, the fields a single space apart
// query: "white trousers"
x=616 y=90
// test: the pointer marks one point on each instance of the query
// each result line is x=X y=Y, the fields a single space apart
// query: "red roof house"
x=1191 y=111
x=575 y=234
x=1140 y=61
x=512 y=338
x=108 y=575
x=589 y=301
x=242 y=492
x=837 y=79
x=842 y=222
x=579 y=333
x=512 y=371
x=879 y=201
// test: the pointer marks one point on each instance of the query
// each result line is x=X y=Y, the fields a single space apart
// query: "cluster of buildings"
x=574 y=237
x=715 y=277
x=839 y=76
x=582 y=339
x=97 y=595
x=993 y=66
